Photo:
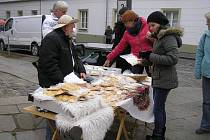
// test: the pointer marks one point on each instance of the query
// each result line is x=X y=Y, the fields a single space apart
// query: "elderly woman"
x=164 y=76
x=59 y=8
x=135 y=36
x=202 y=69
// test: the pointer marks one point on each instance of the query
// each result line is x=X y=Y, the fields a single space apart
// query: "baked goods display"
x=70 y=87
x=53 y=92
x=112 y=89
x=64 y=92
x=66 y=98
x=100 y=71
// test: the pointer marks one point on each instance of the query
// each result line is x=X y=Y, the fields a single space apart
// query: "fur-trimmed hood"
x=177 y=32
x=170 y=31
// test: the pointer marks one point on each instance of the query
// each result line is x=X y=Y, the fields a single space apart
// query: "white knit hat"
x=65 y=20
x=207 y=15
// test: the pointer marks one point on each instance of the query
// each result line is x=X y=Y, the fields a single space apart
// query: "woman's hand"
x=107 y=63
x=140 y=60
x=82 y=75
x=149 y=37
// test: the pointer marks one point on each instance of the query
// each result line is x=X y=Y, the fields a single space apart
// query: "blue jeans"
x=205 y=122
x=159 y=97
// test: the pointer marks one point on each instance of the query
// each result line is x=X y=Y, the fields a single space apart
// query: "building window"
x=83 y=16
x=8 y=14
x=8 y=25
x=173 y=16
x=19 y=13
x=114 y=17
x=34 y=12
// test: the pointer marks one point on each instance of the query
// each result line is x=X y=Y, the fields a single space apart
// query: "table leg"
x=122 y=125
x=53 y=129
x=125 y=133
x=54 y=137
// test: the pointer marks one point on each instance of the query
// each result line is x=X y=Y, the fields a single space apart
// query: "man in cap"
x=59 y=8
x=58 y=58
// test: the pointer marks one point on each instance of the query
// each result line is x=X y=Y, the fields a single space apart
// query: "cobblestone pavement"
x=183 y=104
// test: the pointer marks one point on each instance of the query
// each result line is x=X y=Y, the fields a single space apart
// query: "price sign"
x=121 y=4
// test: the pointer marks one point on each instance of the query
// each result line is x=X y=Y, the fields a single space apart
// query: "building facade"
x=95 y=15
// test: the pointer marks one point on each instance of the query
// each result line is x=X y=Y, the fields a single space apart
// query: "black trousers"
x=139 y=69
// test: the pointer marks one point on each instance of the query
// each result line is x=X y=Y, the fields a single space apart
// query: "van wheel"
x=34 y=49
x=2 y=47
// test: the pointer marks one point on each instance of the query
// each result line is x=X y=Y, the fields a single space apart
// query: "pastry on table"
x=70 y=87
x=66 y=98
x=53 y=92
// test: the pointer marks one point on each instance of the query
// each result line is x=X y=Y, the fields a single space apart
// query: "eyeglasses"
x=64 y=12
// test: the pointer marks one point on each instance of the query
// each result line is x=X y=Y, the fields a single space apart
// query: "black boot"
x=157 y=135
x=75 y=133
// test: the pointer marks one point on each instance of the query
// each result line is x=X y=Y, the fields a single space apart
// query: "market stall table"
x=115 y=93
x=50 y=116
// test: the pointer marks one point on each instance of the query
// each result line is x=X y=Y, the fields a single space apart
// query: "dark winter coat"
x=165 y=57
x=108 y=33
x=119 y=30
x=55 y=59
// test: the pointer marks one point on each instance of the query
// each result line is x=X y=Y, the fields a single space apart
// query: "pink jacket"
x=138 y=43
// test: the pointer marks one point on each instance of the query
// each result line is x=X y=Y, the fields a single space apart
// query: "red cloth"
x=138 y=43
x=2 y=22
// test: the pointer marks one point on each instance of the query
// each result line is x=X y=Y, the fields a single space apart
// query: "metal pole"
x=129 y=4
x=40 y=6
x=8 y=47
x=106 y=12
x=106 y=18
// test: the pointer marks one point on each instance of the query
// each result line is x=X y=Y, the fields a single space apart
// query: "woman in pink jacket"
x=135 y=36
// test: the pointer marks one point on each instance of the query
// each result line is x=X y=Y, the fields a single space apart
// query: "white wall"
x=191 y=19
x=96 y=14
x=14 y=7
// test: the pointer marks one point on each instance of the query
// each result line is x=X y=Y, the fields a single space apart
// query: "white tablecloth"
x=146 y=115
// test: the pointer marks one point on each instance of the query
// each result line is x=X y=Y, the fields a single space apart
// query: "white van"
x=22 y=33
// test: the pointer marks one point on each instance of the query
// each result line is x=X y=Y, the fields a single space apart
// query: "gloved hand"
x=145 y=54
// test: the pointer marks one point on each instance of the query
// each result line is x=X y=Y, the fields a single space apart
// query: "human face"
x=129 y=24
x=153 y=27
x=68 y=29
x=208 y=23
x=59 y=12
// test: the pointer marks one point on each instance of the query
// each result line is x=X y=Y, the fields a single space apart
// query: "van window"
x=1 y=28
x=8 y=25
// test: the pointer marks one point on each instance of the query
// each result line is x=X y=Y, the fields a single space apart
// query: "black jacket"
x=55 y=59
x=119 y=30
